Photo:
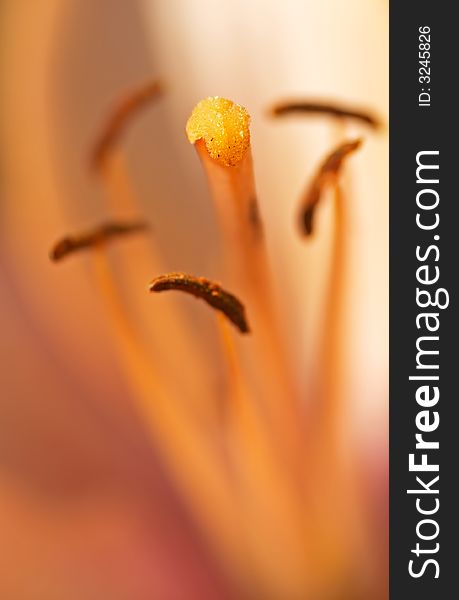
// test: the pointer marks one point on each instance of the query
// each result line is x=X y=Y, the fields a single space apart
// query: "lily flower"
x=231 y=444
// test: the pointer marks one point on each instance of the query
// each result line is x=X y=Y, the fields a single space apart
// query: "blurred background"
x=86 y=511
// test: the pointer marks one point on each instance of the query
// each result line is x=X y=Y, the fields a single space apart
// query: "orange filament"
x=194 y=464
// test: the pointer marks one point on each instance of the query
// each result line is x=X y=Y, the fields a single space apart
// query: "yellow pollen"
x=224 y=127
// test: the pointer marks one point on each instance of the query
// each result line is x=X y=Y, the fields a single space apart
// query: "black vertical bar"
x=425 y=123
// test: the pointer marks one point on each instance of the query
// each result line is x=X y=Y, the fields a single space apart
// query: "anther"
x=207 y=290
x=89 y=239
x=118 y=119
x=327 y=173
x=326 y=108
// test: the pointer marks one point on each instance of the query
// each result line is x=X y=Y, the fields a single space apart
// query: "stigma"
x=224 y=128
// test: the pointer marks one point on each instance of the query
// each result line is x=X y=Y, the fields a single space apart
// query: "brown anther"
x=208 y=291
x=120 y=115
x=327 y=174
x=326 y=108
x=89 y=239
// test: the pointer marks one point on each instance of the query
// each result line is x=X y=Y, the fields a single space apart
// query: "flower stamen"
x=190 y=454
x=327 y=176
x=112 y=169
x=118 y=119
